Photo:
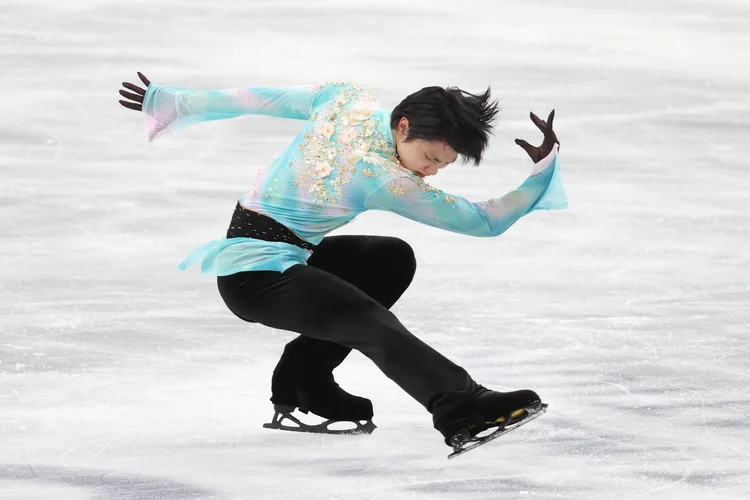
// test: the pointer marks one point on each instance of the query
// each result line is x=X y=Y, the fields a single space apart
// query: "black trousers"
x=340 y=301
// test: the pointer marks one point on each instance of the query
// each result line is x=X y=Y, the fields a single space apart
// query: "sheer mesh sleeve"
x=413 y=198
x=175 y=108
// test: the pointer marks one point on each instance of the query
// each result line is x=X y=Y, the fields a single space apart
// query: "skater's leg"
x=381 y=266
x=303 y=378
x=317 y=304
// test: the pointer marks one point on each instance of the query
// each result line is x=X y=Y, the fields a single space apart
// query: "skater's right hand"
x=135 y=101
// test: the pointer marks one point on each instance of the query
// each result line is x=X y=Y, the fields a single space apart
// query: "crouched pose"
x=277 y=266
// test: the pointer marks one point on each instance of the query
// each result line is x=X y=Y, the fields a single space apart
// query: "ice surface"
x=122 y=378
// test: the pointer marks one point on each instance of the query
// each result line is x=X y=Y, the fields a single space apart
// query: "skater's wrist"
x=546 y=161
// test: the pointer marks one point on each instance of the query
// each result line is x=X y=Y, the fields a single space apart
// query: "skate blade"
x=321 y=428
x=517 y=419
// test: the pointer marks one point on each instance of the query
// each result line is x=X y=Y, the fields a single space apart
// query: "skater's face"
x=424 y=158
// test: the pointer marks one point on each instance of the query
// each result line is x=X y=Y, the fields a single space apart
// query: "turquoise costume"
x=341 y=164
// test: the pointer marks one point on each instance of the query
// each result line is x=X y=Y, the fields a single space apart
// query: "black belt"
x=250 y=224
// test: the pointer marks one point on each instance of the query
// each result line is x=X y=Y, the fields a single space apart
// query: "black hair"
x=461 y=119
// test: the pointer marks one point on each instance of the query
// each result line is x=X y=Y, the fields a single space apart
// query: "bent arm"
x=416 y=200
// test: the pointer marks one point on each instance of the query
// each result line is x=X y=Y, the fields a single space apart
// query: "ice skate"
x=325 y=399
x=501 y=411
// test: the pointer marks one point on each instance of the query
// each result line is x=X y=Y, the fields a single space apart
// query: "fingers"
x=540 y=124
x=132 y=96
x=132 y=105
x=134 y=88
x=525 y=145
x=144 y=79
x=551 y=132
x=136 y=97
x=530 y=150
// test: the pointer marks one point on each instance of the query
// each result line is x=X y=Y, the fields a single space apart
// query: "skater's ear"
x=403 y=128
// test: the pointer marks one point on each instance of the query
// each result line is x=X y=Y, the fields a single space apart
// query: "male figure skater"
x=278 y=267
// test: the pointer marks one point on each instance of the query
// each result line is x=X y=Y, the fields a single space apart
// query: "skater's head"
x=436 y=125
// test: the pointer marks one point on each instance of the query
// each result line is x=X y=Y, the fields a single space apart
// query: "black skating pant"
x=340 y=301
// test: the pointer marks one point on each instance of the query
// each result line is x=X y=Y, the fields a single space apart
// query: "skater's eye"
x=436 y=161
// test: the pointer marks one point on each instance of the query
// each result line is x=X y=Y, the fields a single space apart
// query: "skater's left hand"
x=550 y=138
x=136 y=100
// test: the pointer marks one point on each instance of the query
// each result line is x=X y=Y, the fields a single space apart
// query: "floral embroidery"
x=427 y=188
x=397 y=188
x=369 y=128
x=347 y=135
x=361 y=112
x=326 y=130
x=364 y=145
x=323 y=169
x=344 y=133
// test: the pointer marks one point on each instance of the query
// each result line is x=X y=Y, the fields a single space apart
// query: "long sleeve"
x=176 y=107
x=411 y=197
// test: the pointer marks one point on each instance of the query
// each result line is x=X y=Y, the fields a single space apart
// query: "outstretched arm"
x=176 y=107
x=411 y=197
x=415 y=199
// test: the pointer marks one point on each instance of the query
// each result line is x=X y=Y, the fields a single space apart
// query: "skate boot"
x=501 y=411
x=303 y=380
x=324 y=398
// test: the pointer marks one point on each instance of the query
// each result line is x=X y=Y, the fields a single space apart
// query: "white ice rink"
x=122 y=378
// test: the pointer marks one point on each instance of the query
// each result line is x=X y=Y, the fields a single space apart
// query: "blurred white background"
x=122 y=378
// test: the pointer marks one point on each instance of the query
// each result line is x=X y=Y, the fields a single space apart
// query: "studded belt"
x=250 y=224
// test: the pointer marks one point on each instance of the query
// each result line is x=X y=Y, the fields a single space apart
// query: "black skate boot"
x=503 y=411
x=303 y=380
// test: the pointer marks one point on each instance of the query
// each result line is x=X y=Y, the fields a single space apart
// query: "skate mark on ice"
x=689 y=476
x=492 y=488
x=106 y=484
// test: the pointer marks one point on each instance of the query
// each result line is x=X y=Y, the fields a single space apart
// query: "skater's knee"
x=402 y=258
x=392 y=268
